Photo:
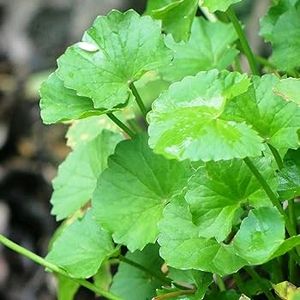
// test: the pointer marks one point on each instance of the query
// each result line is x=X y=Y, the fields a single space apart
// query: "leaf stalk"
x=54 y=268
x=244 y=42
x=138 y=99
x=120 y=124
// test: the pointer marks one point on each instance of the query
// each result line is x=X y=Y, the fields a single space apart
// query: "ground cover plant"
x=184 y=173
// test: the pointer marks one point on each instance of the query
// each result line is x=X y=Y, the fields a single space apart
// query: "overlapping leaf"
x=260 y=235
x=61 y=104
x=187 y=123
x=214 y=5
x=209 y=47
x=200 y=280
x=268 y=22
x=81 y=248
x=183 y=248
x=78 y=174
x=176 y=15
x=117 y=50
x=289 y=176
x=288 y=89
x=218 y=190
x=282 y=19
x=83 y=131
x=133 y=191
x=66 y=288
x=275 y=119
x=133 y=284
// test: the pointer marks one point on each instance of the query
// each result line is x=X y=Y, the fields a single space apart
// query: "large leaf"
x=209 y=46
x=275 y=119
x=282 y=21
x=78 y=174
x=117 y=50
x=183 y=248
x=61 y=104
x=133 y=191
x=218 y=190
x=176 y=15
x=134 y=284
x=260 y=235
x=289 y=176
x=81 y=248
x=186 y=121
x=214 y=5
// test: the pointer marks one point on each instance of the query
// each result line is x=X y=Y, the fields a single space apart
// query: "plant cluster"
x=195 y=197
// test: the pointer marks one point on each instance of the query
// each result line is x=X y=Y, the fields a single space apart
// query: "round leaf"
x=186 y=121
x=128 y=46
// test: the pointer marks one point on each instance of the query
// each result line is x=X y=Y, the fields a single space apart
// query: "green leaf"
x=183 y=248
x=190 y=278
x=288 y=89
x=214 y=5
x=268 y=22
x=186 y=121
x=282 y=19
x=227 y=295
x=134 y=284
x=61 y=104
x=133 y=191
x=286 y=290
x=81 y=132
x=260 y=235
x=276 y=120
x=81 y=248
x=289 y=176
x=117 y=50
x=209 y=46
x=218 y=190
x=78 y=174
x=176 y=15
x=66 y=288
x=103 y=278
x=287 y=246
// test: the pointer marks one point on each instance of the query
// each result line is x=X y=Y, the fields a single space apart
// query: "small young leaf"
x=275 y=119
x=214 y=5
x=81 y=248
x=186 y=121
x=129 y=46
x=286 y=290
x=133 y=191
x=183 y=248
x=209 y=46
x=78 y=174
x=133 y=284
x=260 y=235
x=217 y=191
x=177 y=16
x=61 y=104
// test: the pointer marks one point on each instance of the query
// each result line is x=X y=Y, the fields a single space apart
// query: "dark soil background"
x=33 y=33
